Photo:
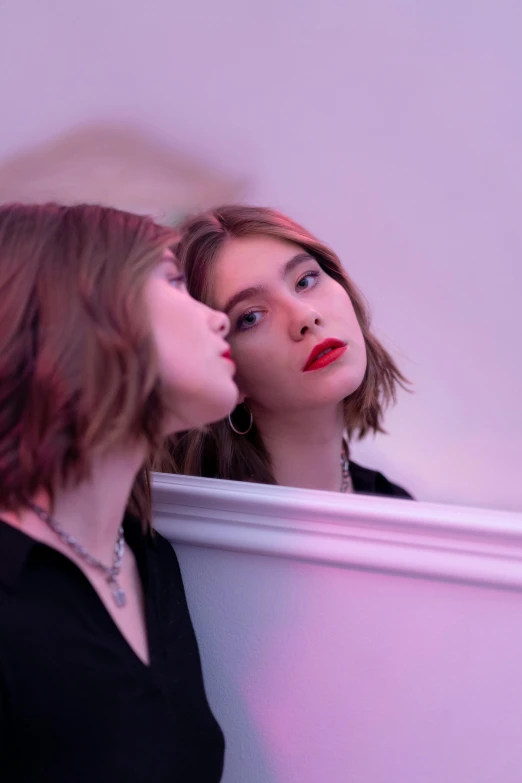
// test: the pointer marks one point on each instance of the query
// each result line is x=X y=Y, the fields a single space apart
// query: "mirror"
x=388 y=130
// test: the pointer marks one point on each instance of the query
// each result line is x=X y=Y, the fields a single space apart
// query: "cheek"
x=256 y=366
x=350 y=317
x=177 y=353
x=358 y=342
x=176 y=327
x=357 y=331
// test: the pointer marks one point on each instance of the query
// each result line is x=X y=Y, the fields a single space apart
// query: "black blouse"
x=76 y=703
x=371 y=482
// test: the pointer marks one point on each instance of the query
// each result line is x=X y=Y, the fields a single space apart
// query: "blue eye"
x=309 y=280
x=248 y=320
x=178 y=281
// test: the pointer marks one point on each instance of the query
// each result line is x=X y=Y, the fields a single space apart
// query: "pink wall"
x=353 y=639
x=329 y=674
x=392 y=128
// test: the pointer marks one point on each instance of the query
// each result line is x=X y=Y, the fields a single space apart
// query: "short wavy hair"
x=78 y=369
x=217 y=451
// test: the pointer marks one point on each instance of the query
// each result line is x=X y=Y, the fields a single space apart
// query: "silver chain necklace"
x=346 y=481
x=111 y=572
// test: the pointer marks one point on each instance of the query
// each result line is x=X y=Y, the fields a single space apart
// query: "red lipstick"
x=228 y=355
x=325 y=353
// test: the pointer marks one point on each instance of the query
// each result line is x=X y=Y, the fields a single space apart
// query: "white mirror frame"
x=476 y=546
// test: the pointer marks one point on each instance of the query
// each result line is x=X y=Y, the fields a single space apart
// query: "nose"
x=219 y=322
x=303 y=319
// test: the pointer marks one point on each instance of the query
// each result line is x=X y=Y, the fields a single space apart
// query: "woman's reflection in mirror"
x=311 y=373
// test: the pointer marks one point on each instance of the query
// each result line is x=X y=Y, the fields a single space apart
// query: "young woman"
x=311 y=374
x=102 y=354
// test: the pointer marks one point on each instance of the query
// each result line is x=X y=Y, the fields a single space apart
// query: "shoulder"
x=149 y=541
x=371 y=482
x=164 y=551
x=164 y=562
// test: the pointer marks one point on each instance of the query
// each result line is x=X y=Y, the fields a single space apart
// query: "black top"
x=76 y=703
x=371 y=482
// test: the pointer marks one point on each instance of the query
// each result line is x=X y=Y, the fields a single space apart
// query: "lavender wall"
x=351 y=638
x=330 y=674
x=392 y=128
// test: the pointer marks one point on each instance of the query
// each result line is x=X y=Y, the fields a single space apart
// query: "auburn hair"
x=78 y=369
x=217 y=451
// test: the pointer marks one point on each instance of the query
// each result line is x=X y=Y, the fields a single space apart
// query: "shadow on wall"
x=117 y=166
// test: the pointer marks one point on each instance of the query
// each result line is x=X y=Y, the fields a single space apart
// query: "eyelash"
x=239 y=323
x=313 y=273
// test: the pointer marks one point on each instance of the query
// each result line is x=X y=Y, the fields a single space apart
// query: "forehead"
x=247 y=262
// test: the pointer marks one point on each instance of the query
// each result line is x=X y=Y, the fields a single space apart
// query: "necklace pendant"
x=120 y=599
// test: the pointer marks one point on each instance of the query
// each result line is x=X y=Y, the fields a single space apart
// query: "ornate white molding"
x=470 y=545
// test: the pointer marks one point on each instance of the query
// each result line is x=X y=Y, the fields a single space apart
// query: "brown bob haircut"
x=217 y=451
x=78 y=369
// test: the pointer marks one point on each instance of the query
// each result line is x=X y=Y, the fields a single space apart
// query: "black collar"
x=363 y=479
x=16 y=547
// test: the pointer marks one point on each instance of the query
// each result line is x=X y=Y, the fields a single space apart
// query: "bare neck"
x=91 y=512
x=304 y=447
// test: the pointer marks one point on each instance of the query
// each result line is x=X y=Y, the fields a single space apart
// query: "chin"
x=351 y=388
x=226 y=406
x=337 y=388
x=218 y=407
x=201 y=407
x=351 y=381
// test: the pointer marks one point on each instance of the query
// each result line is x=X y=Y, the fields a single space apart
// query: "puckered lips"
x=228 y=355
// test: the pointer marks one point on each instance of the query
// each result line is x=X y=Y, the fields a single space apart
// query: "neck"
x=92 y=511
x=304 y=447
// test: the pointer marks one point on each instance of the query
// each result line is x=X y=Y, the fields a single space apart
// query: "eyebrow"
x=256 y=290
